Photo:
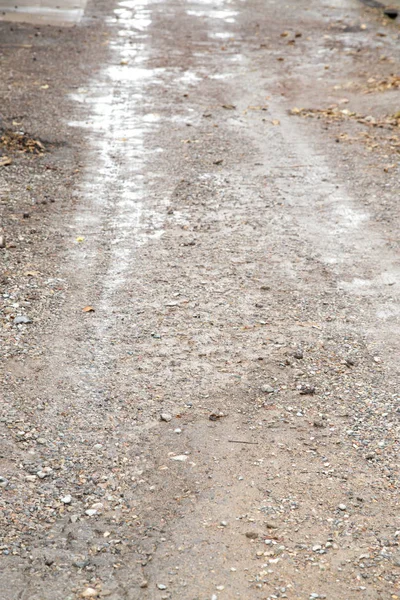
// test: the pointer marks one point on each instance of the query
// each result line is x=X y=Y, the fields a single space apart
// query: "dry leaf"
x=5 y=161
x=88 y=309
x=276 y=122
x=80 y=239
x=229 y=106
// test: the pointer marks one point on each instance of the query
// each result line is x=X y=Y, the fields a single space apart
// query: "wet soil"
x=205 y=403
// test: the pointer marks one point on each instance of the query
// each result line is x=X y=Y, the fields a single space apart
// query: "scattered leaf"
x=80 y=239
x=276 y=122
x=88 y=309
x=5 y=161
x=229 y=106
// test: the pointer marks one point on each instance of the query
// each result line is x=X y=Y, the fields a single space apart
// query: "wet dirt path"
x=222 y=421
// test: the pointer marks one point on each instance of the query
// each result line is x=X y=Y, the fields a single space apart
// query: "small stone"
x=252 y=535
x=178 y=430
x=3 y=482
x=316 y=548
x=80 y=563
x=267 y=389
x=144 y=584
x=90 y=512
x=220 y=587
x=74 y=518
x=224 y=524
x=2 y=241
x=166 y=417
x=298 y=354
x=161 y=586
x=180 y=457
x=89 y=593
x=307 y=390
x=41 y=474
x=22 y=320
x=30 y=478
x=98 y=506
x=41 y=441
x=98 y=446
x=66 y=499
x=342 y=507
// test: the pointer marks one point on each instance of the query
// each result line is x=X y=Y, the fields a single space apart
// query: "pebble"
x=98 y=446
x=166 y=417
x=31 y=478
x=252 y=535
x=41 y=441
x=298 y=354
x=66 y=499
x=342 y=507
x=267 y=389
x=224 y=524
x=316 y=547
x=90 y=512
x=3 y=482
x=144 y=584
x=80 y=564
x=178 y=430
x=161 y=586
x=307 y=390
x=180 y=457
x=90 y=593
x=220 y=587
x=22 y=320
x=2 y=241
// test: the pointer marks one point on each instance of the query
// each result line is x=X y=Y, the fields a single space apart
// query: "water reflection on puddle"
x=43 y=12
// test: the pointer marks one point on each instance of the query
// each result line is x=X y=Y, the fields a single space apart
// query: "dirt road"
x=202 y=402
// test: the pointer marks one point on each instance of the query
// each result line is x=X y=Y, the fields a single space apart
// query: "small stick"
x=241 y=442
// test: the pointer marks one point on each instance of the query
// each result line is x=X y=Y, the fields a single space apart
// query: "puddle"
x=114 y=183
x=226 y=15
x=43 y=12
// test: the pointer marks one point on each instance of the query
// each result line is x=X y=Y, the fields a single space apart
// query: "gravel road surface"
x=200 y=318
